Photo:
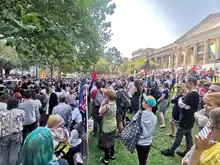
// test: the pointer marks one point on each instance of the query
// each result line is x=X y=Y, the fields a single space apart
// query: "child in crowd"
x=148 y=124
x=176 y=109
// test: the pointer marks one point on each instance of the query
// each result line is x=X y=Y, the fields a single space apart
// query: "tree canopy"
x=70 y=32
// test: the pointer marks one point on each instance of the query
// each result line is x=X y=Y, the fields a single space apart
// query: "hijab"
x=56 y=125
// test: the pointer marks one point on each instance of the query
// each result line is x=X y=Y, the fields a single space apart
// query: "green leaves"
x=42 y=28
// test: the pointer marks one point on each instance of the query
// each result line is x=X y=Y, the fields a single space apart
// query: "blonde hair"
x=182 y=87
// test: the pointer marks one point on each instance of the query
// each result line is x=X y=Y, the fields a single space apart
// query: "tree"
x=114 y=56
x=8 y=58
x=102 y=66
x=38 y=29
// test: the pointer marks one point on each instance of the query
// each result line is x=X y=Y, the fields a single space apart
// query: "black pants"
x=72 y=151
x=143 y=152
x=97 y=125
x=109 y=151
x=28 y=129
x=179 y=137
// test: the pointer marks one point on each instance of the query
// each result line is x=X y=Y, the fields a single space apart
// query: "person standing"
x=135 y=101
x=108 y=111
x=163 y=104
x=148 y=125
x=176 y=109
x=97 y=97
x=188 y=106
x=32 y=114
x=64 y=110
x=53 y=102
x=11 y=126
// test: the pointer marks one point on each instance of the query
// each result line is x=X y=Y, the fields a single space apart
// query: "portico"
x=199 y=46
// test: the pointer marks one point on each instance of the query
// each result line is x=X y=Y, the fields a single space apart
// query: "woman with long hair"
x=135 y=101
x=53 y=101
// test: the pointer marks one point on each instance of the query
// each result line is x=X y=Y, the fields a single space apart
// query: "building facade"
x=141 y=52
x=199 y=46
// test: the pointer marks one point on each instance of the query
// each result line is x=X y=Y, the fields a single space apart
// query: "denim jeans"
x=62 y=162
x=9 y=149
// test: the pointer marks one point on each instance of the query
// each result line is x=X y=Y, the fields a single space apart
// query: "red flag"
x=94 y=75
x=143 y=72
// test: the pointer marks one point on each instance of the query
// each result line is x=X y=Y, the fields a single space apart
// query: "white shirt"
x=130 y=88
x=38 y=103
x=76 y=115
x=3 y=106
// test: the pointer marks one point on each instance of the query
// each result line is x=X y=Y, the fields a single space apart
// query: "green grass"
x=124 y=157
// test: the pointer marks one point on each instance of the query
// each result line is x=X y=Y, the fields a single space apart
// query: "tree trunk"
x=51 y=71
x=1 y=71
x=59 y=74
x=7 y=71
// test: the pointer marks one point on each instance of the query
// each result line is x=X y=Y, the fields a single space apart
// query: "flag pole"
x=87 y=125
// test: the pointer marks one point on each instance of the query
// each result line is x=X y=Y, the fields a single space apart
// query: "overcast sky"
x=155 y=23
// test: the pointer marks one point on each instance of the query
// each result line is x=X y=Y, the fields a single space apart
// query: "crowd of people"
x=41 y=122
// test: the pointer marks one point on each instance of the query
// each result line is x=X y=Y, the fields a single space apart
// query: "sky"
x=155 y=23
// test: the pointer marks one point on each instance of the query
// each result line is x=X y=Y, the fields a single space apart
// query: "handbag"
x=131 y=134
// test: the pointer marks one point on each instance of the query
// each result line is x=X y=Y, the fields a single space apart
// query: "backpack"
x=99 y=98
x=158 y=94
x=124 y=100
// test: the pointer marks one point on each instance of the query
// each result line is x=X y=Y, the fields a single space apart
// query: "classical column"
x=195 y=52
x=206 y=52
x=155 y=60
x=162 y=62
x=217 y=48
x=186 y=55
x=177 y=58
x=170 y=62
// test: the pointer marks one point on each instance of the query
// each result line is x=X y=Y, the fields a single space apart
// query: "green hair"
x=37 y=148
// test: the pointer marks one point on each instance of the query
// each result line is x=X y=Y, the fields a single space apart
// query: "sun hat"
x=150 y=100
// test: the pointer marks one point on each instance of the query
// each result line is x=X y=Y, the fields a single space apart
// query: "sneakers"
x=118 y=137
x=163 y=126
x=167 y=152
x=111 y=157
x=103 y=161
x=169 y=134
x=181 y=154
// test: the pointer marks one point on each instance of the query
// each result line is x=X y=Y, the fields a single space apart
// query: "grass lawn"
x=124 y=157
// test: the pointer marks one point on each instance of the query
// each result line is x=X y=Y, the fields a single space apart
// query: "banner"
x=42 y=73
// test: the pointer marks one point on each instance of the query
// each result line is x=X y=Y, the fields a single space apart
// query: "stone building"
x=141 y=52
x=199 y=46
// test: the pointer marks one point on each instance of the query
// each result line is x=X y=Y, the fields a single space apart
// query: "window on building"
x=200 y=52
x=212 y=49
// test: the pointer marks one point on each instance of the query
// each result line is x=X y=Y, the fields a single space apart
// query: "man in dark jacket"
x=188 y=106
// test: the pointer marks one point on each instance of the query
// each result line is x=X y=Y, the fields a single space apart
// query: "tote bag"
x=131 y=134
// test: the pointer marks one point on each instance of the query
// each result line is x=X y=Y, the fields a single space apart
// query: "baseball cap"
x=150 y=100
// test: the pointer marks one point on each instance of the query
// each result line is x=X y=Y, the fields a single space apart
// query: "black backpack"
x=124 y=99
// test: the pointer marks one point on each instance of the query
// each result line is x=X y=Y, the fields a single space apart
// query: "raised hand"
x=203 y=144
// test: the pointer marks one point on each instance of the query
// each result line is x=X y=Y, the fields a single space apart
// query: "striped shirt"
x=206 y=130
